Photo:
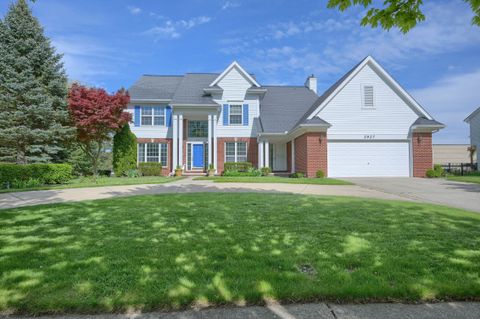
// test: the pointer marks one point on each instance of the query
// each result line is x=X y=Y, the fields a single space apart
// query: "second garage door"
x=368 y=159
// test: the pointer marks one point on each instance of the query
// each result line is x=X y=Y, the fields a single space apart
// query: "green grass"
x=100 y=181
x=172 y=251
x=274 y=179
x=466 y=179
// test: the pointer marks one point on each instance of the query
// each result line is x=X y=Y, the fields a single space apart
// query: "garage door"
x=364 y=159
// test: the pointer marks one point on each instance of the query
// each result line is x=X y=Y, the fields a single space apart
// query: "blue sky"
x=110 y=43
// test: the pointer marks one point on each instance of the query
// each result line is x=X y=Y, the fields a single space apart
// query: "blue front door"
x=198 y=156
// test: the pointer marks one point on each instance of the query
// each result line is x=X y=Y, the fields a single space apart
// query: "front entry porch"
x=194 y=139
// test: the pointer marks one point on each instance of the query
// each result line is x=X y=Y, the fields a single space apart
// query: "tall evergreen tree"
x=33 y=90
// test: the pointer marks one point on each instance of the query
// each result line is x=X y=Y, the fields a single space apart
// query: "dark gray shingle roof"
x=282 y=106
x=316 y=121
x=422 y=121
x=155 y=87
x=190 y=90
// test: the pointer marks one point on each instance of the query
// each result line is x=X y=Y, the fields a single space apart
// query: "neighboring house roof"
x=190 y=90
x=154 y=87
x=471 y=116
x=282 y=106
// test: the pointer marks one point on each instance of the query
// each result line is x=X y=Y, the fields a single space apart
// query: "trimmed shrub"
x=297 y=175
x=150 y=169
x=436 y=171
x=32 y=182
x=265 y=171
x=320 y=174
x=238 y=167
x=15 y=174
x=439 y=171
x=430 y=173
x=124 y=151
x=132 y=173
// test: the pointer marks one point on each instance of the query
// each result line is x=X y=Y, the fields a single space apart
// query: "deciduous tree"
x=403 y=14
x=97 y=115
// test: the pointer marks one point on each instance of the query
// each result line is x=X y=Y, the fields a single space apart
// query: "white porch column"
x=175 y=142
x=214 y=146
x=210 y=129
x=267 y=154
x=260 y=154
x=180 y=140
x=293 y=156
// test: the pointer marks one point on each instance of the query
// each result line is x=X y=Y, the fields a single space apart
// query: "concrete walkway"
x=457 y=310
x=187 y=185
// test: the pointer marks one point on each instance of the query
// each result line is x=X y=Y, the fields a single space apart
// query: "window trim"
x=230 y=114
x=236 y=151
x=152 y=116
x=362 y=92
x=159 y=153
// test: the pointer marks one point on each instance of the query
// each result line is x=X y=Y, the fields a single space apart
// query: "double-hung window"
x=153 y=152
x=235 y=152
x=235 y=114
x=152 y=116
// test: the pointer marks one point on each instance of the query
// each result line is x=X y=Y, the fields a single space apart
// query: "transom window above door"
x=235 y=114
x=197 y=128
x=152 y=116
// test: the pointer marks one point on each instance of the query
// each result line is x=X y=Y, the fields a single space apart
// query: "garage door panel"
x=363 y=159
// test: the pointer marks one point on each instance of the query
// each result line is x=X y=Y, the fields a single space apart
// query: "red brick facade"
x=422 y=153
x=311 y=153
x=252 y=150
x=166 y=170
x=289 y=157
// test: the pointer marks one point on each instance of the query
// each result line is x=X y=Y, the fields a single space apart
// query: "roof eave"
x=133 y=100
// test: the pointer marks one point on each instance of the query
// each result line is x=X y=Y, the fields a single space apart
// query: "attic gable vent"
x=368 y=97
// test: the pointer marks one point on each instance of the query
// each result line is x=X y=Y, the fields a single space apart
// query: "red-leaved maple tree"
x=96 y=115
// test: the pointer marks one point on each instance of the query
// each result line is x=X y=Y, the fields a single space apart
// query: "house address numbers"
x=369 y=136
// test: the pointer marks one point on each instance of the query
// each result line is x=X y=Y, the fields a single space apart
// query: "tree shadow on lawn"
x=171 y=251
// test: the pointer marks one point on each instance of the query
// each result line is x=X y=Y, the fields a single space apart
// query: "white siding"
x=475 y=133
x=390 y=118
x=148 y=131
x=235 y=86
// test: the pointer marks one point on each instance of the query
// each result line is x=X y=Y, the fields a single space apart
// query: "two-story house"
x=473 y=121
x=365 y=124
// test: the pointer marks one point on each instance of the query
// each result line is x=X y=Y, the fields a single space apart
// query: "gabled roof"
x=282 y=106
x=235 y=64
x=340 y=84
x=471 y=116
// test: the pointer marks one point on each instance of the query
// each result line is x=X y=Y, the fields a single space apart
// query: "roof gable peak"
x=236 y=65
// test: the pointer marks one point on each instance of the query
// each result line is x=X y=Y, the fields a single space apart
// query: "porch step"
x=194 y=174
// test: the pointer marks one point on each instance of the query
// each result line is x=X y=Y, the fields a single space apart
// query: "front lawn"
x=466 y=179
x=274 y=179
x=172 y=251
x=100 y=181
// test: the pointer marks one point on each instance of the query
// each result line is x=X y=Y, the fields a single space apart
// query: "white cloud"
x=450 y=100
x=134 y=10
x=174 y=29
x=230 y=5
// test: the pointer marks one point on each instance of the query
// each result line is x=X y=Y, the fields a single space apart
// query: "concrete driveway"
x=438 y=191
